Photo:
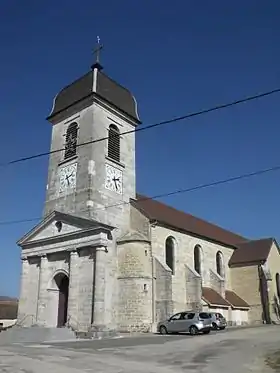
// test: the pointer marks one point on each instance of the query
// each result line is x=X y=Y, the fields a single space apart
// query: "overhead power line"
x=174 y=192
x=138 y=129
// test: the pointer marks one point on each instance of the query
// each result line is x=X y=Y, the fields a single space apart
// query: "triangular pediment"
x=131 y=236
x=59 y=224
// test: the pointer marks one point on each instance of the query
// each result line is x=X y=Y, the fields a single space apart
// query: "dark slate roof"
x=213 y=298
x=235 y=301
x=251 y=252
x=169 y=216
x=106 y=88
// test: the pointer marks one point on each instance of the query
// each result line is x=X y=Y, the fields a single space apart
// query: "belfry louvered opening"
x=114 y=143
x=71 y=141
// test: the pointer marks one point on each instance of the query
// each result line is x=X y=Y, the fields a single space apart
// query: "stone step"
x=35 y=334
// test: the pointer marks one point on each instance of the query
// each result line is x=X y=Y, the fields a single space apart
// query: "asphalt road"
x=248 y=350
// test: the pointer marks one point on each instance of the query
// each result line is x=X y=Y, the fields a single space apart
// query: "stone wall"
x=245 y=282
x=217 y=283
x=138 y=222
x=193 y=289
x=28 y=305
x=273 y=264
x=163 y=284
x=135 y=286
x=183 y=256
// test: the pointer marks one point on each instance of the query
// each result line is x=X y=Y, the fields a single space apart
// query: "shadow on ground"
x=273 y=360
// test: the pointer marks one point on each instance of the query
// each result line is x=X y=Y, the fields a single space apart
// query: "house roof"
x=251 y=252
x=235 y=301
x=213 y=298
x=169 y=216
x=106 y=88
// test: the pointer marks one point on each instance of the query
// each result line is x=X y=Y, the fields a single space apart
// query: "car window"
x=204 y=315
x=219 y=315
x=176 y=316
x=189 y=316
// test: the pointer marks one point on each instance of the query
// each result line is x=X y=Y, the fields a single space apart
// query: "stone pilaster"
x=86 y=289
x=73 y=299
x=23 y=318
x=43 y=293
x=99 y=294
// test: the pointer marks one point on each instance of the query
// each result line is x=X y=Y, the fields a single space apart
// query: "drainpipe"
x=152 y=225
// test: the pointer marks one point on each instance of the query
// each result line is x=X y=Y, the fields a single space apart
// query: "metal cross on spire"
x=97 y=51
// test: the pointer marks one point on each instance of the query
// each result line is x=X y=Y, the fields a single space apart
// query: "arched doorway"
x=62 y=282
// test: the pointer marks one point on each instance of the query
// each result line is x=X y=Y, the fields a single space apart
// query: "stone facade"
x=184 y=280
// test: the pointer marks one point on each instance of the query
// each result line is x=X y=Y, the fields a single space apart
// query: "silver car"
x=219 y=322
x=187 y=321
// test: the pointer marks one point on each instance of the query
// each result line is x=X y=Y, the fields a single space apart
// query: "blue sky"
x=176 y=58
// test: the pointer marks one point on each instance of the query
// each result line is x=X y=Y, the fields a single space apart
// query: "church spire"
x=97 y=65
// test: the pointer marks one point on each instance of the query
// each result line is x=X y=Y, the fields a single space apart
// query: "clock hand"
x=115 y=181
x=67 y=177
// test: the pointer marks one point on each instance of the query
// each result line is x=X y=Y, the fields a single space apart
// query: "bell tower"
x=92 y=162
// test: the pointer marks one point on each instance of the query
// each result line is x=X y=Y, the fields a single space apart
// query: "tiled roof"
x=213 y=298
x=169 y=216
x=245 y=252
x=251 y=252
x=235 y=300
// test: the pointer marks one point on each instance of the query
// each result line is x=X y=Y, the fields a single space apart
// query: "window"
x=190 y=316
x=220 y=264
x=204 y=315
x=177 y=316
x=71 y=141
x=197 y=259
x=277 y=279
x=169 y=253
x=114 y=143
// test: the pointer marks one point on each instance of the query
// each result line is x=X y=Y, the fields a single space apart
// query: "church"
x=105 y=258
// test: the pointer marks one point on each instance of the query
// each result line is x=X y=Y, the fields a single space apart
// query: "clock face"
x=113 y=179
x=67 y=177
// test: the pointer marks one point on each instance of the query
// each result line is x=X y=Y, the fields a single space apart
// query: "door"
x=174 y=323
x=62 y=302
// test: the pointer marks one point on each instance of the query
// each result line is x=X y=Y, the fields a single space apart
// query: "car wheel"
x=193 y=330
x=214 y=326
x=206 y=331
x=163 y=330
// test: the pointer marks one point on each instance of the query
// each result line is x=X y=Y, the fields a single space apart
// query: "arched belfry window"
x=220 y=264
x=169 y=253
x=277 y=279
x=197 y=258
x=114 y=143
x=71 y=141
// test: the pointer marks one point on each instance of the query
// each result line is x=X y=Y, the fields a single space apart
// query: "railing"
x=19 y=322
